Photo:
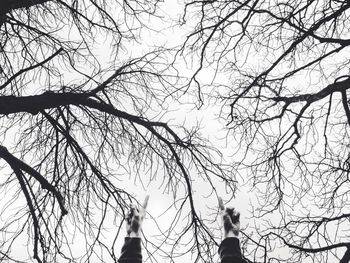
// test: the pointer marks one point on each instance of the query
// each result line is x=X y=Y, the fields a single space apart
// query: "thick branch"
x=20 y=165
x=36 y=226
x=34 y=104
x=9 y=5
x=49 y=100
x=132 y=118
x=334 y=87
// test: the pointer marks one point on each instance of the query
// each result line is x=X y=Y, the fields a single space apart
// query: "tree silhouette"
x=74 y=127
x=286 y=106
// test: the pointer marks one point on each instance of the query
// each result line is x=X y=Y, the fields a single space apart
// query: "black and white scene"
x=173 y=131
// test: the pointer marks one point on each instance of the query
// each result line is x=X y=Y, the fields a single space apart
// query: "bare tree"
x=74 y=127
x=287 y=110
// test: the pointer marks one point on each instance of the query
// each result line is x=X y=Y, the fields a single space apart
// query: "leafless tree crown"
x=287 y=107
x=75 y=128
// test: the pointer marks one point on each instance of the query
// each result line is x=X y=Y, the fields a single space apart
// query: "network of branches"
x=77 y=130
x=78 y=126
x=286 y=106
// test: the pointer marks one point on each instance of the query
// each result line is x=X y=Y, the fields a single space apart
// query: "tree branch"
x=36 y=103
x=345 y=105
x=346 y=257
x=313 y=250
x=9 y=5
x=36 y=224
x=334 y=87
x=30 y=68
x=20 y=165
x=48 y=100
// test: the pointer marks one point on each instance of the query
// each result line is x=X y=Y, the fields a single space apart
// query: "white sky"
x=212 y=130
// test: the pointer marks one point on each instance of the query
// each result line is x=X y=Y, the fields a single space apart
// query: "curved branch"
x=36 y=226
x=340 y=86
x=313 y=250
x=16 y=163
